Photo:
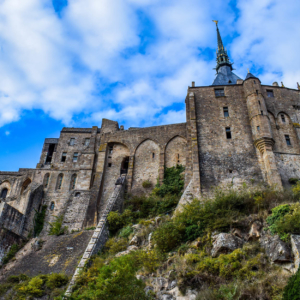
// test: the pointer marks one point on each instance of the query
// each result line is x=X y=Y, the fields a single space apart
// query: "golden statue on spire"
x=215 y=22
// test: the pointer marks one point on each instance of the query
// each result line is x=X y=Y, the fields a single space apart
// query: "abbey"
x=236 y=130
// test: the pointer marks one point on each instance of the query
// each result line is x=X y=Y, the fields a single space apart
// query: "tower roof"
x=225 y=76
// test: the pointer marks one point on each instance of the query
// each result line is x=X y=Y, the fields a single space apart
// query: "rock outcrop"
x=225 y=243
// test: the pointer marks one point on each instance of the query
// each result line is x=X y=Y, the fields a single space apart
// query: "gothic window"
x=75 y=157
x=219 y=92
x=63 y=156
x=46 y=180
x=282 y=118
x=288 y=140
x=228 y=133
x=4 y=193
x=73 y=182
x=72 y=141
x=25 y=185
x=59 y=181
x=270 y=93
x=52 y=205
x=226 y=112
x=86 y=142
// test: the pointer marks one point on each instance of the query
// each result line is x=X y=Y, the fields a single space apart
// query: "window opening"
x=75 y=157
x=52 y=205
x=178 y=158
x=125 y=165
x=258 y=102
x=283 y=118
x=258 y=128
x=63 y=156
x=25 y=185
x=50 y=153
x=219 y=92
x=262 y=113
x=72 y=141
x=87 y=142
x=73 y=182
x=229 y=81
x=270 y=93
x=254 y=81
x=153 y=155
x=109 y=165
x=4 y=193
x=288 y=140
x=228 y=133
x=230 y=171
x=256 y=92
x=77 y=194
x=110 y=149
x=226 y=111
x=46 y=180
x=59 y=181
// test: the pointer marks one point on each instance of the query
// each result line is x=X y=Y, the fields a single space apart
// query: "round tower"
x=261 y=127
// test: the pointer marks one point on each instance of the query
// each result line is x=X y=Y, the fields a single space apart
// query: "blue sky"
x=73 y=62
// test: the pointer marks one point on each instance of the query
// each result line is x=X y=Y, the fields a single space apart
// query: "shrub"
x=147 y=184
x=56 y=280
x=11 y=253
x=56 y=227
x=117 y=221
x=39 y=219
x=34 y=287
x=296 y=190
x=115 y=281
x=291 y=290
x=115 y=245
x=125 y=232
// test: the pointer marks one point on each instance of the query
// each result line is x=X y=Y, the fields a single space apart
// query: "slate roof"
x=225 y=76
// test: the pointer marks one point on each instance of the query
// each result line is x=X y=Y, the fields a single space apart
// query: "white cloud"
x=7 y=133
x=63 y=65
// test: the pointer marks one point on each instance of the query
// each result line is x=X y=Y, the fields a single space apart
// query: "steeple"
x=224 y=66
x=222 y=56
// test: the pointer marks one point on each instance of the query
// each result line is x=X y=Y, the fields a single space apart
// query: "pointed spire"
x=222 y=57
x=298 y=86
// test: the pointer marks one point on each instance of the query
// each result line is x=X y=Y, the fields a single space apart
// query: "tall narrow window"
x=228 y=133
x=63 y=156
x=270 y=94
x=226 y=112
x=258 y=128
x=258 y=102
x=52 y=205
x=50 y=153
x=256 y=92
x=75 y=157
x=153 y=155
x=59 y=181
x=288 y=140
x=86 y=142
x=219 y=92
x=73 y=182
x=261 y=112
x=254 y=81
x=282 y=118
x=4 y=193
x=110 y=149
x=178 y=158
x=46 y=180
x=72 y=141
x=25 y=185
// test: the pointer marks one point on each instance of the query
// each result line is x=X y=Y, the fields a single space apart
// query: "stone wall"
x=176 y=151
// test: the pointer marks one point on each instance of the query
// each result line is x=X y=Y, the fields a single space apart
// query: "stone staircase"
x=101 y=233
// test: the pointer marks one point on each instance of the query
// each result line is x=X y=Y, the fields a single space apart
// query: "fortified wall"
x=236 y=131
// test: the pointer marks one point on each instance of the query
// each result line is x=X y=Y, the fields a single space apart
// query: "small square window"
x=258 y=128
x=87 y=142
x=282 y=118
x=226 y=112
x=228 y=133
x=219 y=92
x=288 y=140
x=109 y=165
x=75 y=157
x=72 y=141
x=63 y=156
x=270 y=93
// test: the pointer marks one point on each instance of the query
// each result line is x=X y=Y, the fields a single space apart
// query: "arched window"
x=4 y=193
x=52 y=205
x=73 y=182
x=59 y=181
x=25 y=185
x=46 y=180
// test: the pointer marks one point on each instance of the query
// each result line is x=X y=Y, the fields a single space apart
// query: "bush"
x=292 y=291
x=39 y=219
x=11 y=253
x=147 y=184
x=115 y=245
x=115 y=281
x=56 y=280
x=117 y=221
x=56 y=226
x=125 y=232
x=33 y=288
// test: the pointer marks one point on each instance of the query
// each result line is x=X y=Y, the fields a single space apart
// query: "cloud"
x=7 y=133
x=132 y=60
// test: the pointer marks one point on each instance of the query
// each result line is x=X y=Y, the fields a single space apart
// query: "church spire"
x=222 y=56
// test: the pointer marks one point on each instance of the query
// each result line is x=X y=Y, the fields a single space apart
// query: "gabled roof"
x=225 y=76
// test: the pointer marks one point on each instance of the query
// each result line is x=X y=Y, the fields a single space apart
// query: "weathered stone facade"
x=236 y=131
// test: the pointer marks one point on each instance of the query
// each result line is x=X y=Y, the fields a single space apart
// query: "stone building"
x=236 y=130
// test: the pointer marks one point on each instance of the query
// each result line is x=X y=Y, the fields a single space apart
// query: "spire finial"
x=282 y=85
x=215 y=22
x=298 y=86
x=248 y=70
